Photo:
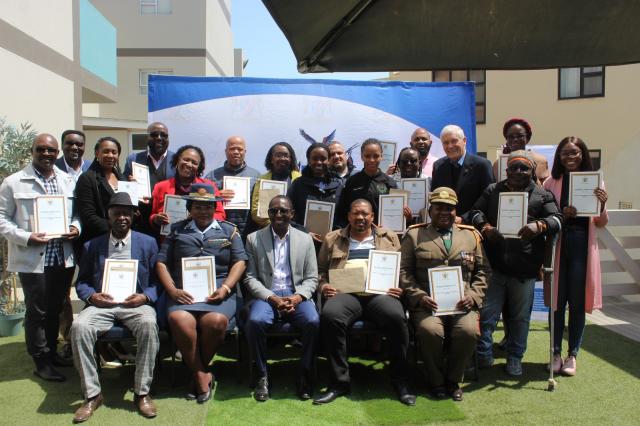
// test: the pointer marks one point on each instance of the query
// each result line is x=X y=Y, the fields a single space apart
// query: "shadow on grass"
x=612 y=348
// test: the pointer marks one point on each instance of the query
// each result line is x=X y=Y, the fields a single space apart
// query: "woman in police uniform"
x=198 y=327
x=443 y=243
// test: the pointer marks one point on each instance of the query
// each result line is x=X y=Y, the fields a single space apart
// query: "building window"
x=144 y=77
x=477 y=76
x=584 y=82
x=155 y=7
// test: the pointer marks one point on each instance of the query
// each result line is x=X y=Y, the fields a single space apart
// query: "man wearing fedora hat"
x=136 y=312
x=444 y=243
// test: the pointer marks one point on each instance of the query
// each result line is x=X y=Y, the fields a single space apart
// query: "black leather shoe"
x=330 y=395
x=58 y=361
x=455 y=391
x=438 y=392
x=261 y=392
x=304 y=388
x=406 y=397
x=47 y=372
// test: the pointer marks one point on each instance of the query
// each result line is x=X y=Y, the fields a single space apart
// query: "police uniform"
x=221 y=240
x=424 y=247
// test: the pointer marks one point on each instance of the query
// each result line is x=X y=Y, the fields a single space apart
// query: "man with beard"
x=73 y=145
x=339 y=161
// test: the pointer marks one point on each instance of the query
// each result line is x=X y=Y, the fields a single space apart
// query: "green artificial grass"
x=605 y=391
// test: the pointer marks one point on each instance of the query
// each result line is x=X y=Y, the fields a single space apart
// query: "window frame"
x=149 y=71
x=583 y=75
x=482 y=103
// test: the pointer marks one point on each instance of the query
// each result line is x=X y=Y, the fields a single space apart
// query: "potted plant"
x=15 y=153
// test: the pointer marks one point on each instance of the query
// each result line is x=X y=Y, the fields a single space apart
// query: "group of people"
x=281 y=267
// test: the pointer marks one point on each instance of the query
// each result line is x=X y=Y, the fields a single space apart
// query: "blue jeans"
x=262 y=315
x=571 y=289
x=518 y=294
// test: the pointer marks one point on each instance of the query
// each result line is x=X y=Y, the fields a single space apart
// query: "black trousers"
x=338 y=315
x=44 y=295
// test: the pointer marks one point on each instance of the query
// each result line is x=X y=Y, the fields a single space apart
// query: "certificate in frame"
x=175 y=207
x=50 y=215
x=388 y=155
x=383 y=271
x=318 y=216
x=581 y=195
x=195 y=270
x=391 y=212
x=242 y=192
x=119 y=278
x=447 y=289
x=418 y=189
x=512 y=213
x=140 y=174
x=268 y=190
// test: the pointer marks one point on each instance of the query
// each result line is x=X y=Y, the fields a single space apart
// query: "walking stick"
x=548 y=272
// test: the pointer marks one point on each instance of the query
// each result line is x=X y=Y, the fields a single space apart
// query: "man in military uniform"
x=444 y=243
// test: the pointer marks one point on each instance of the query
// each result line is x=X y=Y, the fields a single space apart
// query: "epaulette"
x=235 y=228
x=476 y=233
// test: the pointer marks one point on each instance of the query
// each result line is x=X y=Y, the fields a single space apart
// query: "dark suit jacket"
x=60 y=164
x=475 y=176
x=94 y=253
x=92 y=196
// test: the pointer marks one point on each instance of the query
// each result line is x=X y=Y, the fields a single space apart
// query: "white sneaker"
x=569 y=367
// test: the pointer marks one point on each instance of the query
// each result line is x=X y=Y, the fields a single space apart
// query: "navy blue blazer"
x=94 y=253
x=60 y=164
x=141 y=158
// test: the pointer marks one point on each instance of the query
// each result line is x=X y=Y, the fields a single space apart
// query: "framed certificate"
x=268 y=190
x=418 y=189
x=384 y=271
x=502 y=166
x=141 y=175
x=176 y=208
x=131 y=188
x=318 y=216
x=241 y=192
x=512 y=213
x=120 y=278
x=50 y=215
x=388 y=155
x=199 y=276
x=447 y=289
x=391 y=213
x=581 y=195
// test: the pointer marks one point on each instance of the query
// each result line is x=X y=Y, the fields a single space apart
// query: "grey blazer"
x=302 y=259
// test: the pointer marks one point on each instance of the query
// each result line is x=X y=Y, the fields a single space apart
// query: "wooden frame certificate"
x=418 y=189
x=318 y=216
x=241 y=192
x=447 y=289
x=199 y=276
x=581 y=195
x=512 y=213
x=51 y=215
x=391 y=212
x=120 y=278
x=388 y=155
x=131 y=188
x=502 y=166
x=268 y=190
x=141 y=175
x=176 y=208
x=383 y=272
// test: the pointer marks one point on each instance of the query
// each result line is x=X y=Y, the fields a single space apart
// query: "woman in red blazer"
x=189 y=165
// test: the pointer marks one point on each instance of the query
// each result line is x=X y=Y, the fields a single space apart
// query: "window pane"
x=143 y=90
x=139 y=141
x=592 y=85
x=569 y=82
x=480 y=93
x=476 y=75
x=480 y=114
x=164 y=7
x=459 y=75
x=591 y=69
x=441 y=76
x=144 y=75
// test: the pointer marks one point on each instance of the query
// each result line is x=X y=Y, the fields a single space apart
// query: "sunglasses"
x=409 y=161
x=43 y=149
x=274 y=211
x=162 y=135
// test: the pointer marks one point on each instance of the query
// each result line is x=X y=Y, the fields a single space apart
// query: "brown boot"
x=145 y=406
x=87 y=408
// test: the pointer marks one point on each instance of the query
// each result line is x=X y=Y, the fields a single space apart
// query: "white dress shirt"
x=281 y=265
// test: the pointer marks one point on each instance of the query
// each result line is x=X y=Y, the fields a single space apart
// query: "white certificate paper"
x=502 y=166
x=176 y=208
x=141 y=175
x=131 y=188
x=241 y=191
x=51 y=215
x=418 y=189
x=447 y=289
x=391 y=213
x=512 y=213
x=384 y=271
x=581 y=195
x=388 y=155
x=318 y=216
x=119 y=278
x=199 y=276
x=268 y=190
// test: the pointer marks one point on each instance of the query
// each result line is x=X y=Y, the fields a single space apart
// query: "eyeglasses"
x=162 y=135
x=572 y=153
x=274 y=211
x=281 y=154
x=517 y=136
x=409 y=161
x=519 y=168
x=44 y=149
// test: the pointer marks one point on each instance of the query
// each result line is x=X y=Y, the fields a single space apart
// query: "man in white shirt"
x=73 y=146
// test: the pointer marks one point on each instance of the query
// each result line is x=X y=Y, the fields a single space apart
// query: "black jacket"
x=475 y=176
x=361 y=185
x=307 y=188
x=514 y=256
